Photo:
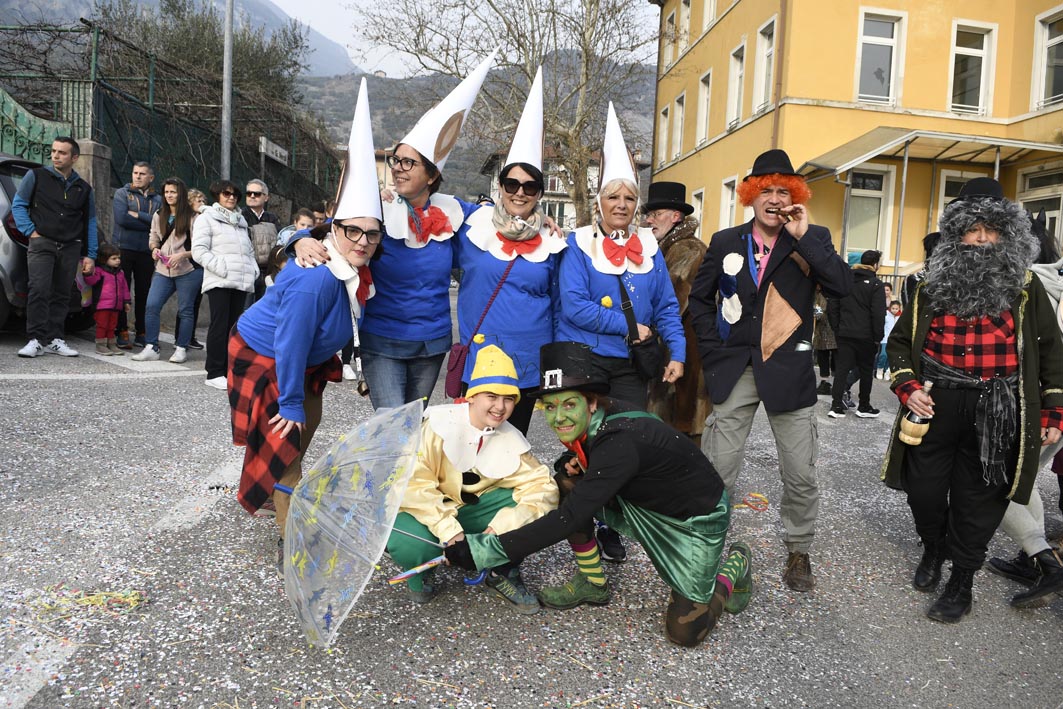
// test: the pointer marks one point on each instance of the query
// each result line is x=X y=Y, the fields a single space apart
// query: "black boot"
x=1020 y=569
x=1050 y=581
x=955 y=602
x=928 y=573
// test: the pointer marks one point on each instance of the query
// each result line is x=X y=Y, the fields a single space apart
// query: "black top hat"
x=668 y=195
x=568 y=365
x=773 y=162
x=980 y=188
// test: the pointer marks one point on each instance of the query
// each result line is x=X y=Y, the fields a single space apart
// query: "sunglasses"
x=228 y=193
x=354 y=234
x=402 y=164
x=252 y=193
x=531 y=188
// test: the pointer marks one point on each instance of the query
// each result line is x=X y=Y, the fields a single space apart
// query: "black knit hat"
x=668 y=195
x=565 y=366
x=980 y=188
x=772 y=162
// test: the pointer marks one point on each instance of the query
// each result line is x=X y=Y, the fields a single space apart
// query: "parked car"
x=13 y=277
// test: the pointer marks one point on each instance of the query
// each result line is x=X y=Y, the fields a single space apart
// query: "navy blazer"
x=786 y=381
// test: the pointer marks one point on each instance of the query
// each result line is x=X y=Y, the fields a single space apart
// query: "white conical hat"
x=436 y=133
x=616 y=160
x=527 y=143
x=359 y=193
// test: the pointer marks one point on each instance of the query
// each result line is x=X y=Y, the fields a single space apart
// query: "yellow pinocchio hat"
x=493 y=371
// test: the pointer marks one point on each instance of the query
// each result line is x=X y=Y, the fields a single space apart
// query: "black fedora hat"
x=772 y=162
x=668 y=195
x=567 y=366
x=980 y=188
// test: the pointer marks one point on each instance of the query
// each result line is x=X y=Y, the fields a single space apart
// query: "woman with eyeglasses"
x=509 y=247
x=220 y=243
x=610 y=254
x=406 y=331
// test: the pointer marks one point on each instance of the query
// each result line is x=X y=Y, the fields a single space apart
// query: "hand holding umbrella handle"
x=459 y=554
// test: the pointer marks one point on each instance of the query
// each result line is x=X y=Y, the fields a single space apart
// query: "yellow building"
x=886 y=107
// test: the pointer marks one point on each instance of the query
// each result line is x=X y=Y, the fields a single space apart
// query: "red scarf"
x=365 y=279
x=509 y=246
x=616 y=254
x=433 y=220
x=577 y=447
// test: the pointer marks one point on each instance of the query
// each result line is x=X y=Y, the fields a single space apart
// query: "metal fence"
x=92 y=84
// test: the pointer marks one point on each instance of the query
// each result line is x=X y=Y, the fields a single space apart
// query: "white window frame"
x=1025 y=195
x=668 y=41
x=683 y=26
x=900 y=19
x=1040 y=58
x=946 y=175
x=728 y=201
x=885 y=217
x=736 y=77
x=663 y=126
x=697 y=200
x=704 y=107
x=764 y=69
x=708 y=14
x=988 y=55
x=678 y=117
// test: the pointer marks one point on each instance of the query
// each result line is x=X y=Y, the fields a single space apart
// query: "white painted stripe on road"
x=100 y=377
x=188 y=512
x=30 y=667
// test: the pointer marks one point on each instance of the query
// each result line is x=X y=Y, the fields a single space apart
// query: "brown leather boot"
x=798 y=574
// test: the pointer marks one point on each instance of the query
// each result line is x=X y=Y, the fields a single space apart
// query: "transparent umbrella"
x=341 y=515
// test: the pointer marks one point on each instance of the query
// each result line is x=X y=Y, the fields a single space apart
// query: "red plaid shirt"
x=985 y=348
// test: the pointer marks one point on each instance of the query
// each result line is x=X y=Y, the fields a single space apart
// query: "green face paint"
x=568 y=414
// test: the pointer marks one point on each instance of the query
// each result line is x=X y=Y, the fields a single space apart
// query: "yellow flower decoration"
x=607 y=302
x=478 y=339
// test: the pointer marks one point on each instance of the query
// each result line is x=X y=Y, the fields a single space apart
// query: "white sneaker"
x=180 y=354
x=348 y=373
x=217 y=383
x=59 y=347
x=32 y=349
x=150 y=353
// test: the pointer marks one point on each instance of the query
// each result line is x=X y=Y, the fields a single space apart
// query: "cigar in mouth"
x=776 y=210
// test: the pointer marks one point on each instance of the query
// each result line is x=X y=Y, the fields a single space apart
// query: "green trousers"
x=474 y=519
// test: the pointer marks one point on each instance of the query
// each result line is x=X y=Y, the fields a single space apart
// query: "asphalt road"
x=117 y=478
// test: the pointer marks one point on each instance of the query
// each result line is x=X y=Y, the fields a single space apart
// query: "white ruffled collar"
x=484 y=236
x=397 y=219
x=498 y=457
x=589 y=242
x=342 y=269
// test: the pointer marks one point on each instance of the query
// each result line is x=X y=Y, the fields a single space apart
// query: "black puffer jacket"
x=861 y=315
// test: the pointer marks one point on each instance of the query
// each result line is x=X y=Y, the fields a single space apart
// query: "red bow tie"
x=365 y=279
x=616 y=254
x=509 y=247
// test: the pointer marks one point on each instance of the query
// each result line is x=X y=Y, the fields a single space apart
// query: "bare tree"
x=591 y=52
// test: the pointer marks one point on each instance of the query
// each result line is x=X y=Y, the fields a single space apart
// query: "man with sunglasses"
x=262 y=225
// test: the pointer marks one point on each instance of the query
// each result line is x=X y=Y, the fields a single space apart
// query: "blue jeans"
x=394 y=382
x=162 y=288
x=882 y=362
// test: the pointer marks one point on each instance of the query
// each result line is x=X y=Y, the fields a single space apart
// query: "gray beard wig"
x=975 y=281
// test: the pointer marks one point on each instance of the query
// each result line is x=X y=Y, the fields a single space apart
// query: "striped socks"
x=589 y=561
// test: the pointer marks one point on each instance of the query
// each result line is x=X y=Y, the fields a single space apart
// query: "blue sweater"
x=584 y=319
x=301 y=321
x=522 y=317
x=412 y=302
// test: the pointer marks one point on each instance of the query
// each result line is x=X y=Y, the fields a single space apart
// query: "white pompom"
x=732 y=263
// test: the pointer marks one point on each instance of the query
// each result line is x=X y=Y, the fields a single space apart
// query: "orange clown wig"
x=752 y=186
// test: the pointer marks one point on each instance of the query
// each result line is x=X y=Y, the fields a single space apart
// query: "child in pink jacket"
x=111 y=295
